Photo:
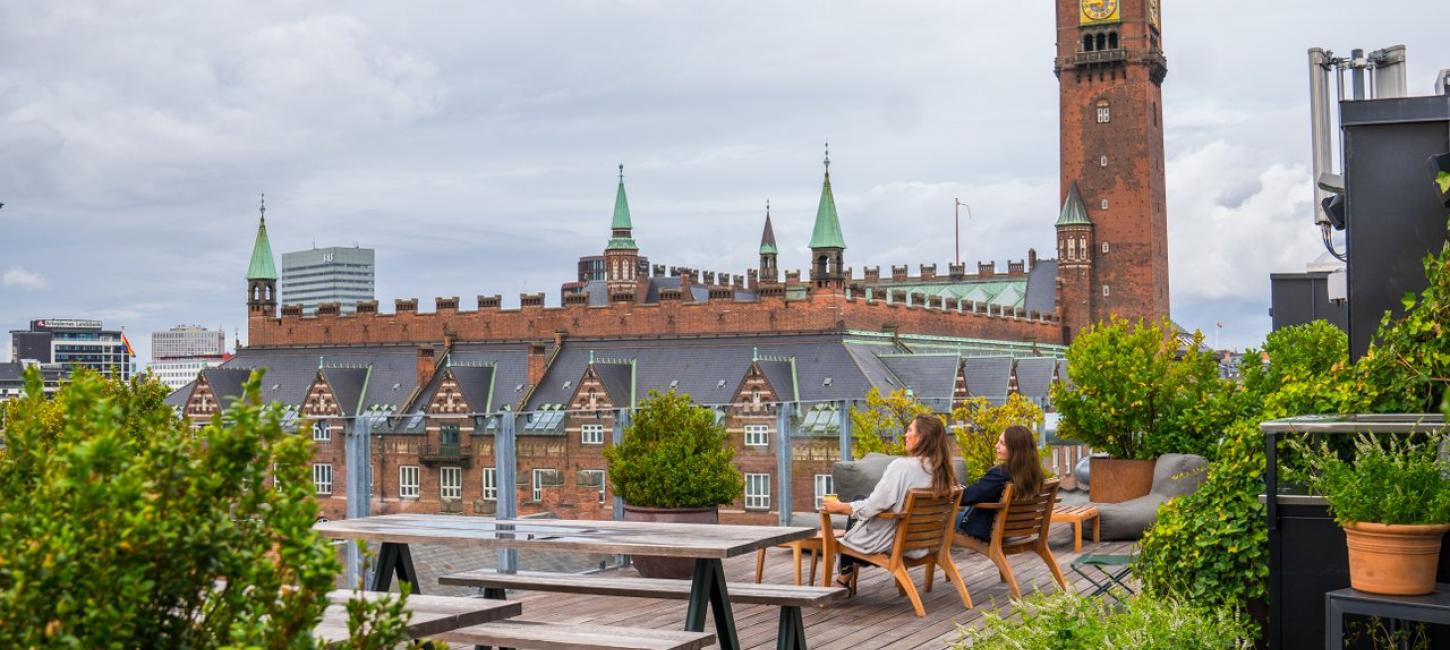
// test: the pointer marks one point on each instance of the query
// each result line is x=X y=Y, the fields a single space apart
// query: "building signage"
x=67 y=324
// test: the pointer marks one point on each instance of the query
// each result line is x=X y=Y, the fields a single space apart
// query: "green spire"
x=767 y=238
x=1074 y=212
x=262 y=267
x=621 y=237
x=827 y=233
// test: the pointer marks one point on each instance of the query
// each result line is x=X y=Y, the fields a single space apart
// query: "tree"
x=977 y=424
x=123 y=528
x=881 y=426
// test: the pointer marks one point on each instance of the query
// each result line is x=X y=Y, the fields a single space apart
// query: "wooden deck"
x=875 y=618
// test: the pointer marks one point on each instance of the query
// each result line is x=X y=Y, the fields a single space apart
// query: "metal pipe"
x=783 y=461
x=1357 y=66
x=1319 y=126
x=1389 y=72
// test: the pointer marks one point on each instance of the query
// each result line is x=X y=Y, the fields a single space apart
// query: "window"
x=1105 y=204
x=1105 y=247
x=1103 y=162
x=757 y=435
x=538 y=485
x=1105 y=291
x=322 y=430
x=1104 y=115
x=450 y=482
x=825 y=484
x=322 y=477
x=409 y=478
x=757 y=491
x=490 y=484
x=591 y=434
x=595 y=476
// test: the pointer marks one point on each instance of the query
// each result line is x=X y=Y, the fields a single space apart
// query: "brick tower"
x=768 y=252
x=262 y=273
x=621 y=255
x=1113 y=230
x=828 y=246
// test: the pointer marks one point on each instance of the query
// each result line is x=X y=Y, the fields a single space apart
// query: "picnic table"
x=707 y=544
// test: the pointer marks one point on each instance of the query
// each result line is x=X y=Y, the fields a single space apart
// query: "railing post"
x=783 y=460
x=357 y=457
x=621 y=420
x=845 y=430
x=506 y=463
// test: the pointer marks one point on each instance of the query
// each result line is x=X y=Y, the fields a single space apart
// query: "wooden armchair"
x=1020 y=526
x=925 y=523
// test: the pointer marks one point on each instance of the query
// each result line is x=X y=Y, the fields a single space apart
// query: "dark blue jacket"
x=977 y=522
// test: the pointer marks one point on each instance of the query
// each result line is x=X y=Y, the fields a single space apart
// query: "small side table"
x=1076 y=515
x=1434 y=608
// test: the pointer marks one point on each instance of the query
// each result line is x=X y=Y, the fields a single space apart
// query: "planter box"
x=1116 y=481
x=669 y=567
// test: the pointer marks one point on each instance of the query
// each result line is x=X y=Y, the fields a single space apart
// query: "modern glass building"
x=336 y=274
x=74 y=342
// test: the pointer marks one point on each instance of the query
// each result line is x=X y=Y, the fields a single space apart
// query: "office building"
x=188 y=342
x=320 y=275
x=74 y=343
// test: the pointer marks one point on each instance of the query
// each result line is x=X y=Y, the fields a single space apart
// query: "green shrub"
x=977 y=425
x=674 y=455
x=1390 y=479
x=1138 y=392
x=880 y=427
x=118 y=521
x=1068 y=621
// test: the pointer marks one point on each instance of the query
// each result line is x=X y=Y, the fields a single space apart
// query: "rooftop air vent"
x=826 y=382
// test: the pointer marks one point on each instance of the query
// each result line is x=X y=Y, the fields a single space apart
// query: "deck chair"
x=1020 y=526
x=925 y=523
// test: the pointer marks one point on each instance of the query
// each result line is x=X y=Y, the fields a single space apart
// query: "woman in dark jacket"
x=1018 y=464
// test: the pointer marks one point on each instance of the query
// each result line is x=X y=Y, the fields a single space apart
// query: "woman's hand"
x=836 y=507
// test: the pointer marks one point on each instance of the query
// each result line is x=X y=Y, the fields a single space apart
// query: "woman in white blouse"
x=928 y=466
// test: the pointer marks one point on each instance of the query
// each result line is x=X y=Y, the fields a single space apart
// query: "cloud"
x=20 y=278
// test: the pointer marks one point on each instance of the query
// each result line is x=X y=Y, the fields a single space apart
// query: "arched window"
x=1104 y=115
x=1112 y=40
x=1087 y=43
x=1102 y=42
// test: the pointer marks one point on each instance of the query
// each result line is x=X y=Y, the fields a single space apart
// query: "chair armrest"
x=992 y=505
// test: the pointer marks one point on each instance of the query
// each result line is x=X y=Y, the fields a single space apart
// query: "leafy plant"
x=977 y=424
x=122 y=528
x=1389 y=479
x=880 y=427
x=1138 y=392
x=1069 y=621
x=674 y=455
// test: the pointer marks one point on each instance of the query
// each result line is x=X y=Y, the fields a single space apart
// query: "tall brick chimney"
x=537 y=357
x=426 y=364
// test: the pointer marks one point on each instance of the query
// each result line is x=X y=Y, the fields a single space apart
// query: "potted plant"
x=1392 y=497
x=674 y=464
x=1135 y=391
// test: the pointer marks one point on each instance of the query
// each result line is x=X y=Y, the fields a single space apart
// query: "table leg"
x=707 y=589
x=394 y=558
x=1077 y=536
x=791 y=633
x=1333 y=625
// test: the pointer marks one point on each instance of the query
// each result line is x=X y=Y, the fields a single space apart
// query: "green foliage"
x=1305 y=362
x=1389 y=479
x=1069 y=621
x=881 y=426
x=1211 y=546
x=1138 y=392
x=977 y=425
x=122 y=528
x=674 y=455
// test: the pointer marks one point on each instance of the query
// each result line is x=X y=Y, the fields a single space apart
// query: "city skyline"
x=504 y=167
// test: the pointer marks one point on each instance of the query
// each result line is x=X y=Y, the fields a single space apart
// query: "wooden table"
x=427 y=615
x=708 y=544
x=1076 y=515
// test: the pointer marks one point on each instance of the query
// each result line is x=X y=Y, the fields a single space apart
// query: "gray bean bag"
x=855 y=479
x=1173 y=475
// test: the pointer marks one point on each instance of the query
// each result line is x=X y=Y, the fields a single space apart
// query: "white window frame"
x=825 y=484
x=450 y=483
x=1105 y=291
x=757 y=492
x=406 y=489
x=600 y=472
x=757 y=435
x=322 y=477
x=591 y=434
x=536 y=485
x=322 y=431
x=490 y=484
x=1105 y=114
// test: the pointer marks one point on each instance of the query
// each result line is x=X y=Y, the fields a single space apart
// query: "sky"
x=474 y=145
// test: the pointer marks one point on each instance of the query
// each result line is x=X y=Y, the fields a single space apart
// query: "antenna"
x=958 y=212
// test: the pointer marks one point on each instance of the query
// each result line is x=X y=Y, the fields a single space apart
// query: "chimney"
x=1031 y=259
x=536 y=363
x=426 y=364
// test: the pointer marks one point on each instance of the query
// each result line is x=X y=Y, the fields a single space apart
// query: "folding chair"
x=1111 y=570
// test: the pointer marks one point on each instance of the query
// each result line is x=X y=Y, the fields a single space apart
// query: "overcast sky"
x=474 y=144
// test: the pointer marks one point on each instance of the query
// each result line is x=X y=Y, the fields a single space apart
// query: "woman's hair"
x=933 y=445
x=1023 y=464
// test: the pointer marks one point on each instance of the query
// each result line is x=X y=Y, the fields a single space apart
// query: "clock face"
x=1099 y=11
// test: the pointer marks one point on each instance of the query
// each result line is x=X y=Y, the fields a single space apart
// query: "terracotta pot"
x=679 y=568
x=1394 y=560
x=1113 y=481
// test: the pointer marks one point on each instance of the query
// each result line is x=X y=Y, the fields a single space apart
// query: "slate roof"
x=931 y=377
x=618 y=382
x=1034 y=376
x=510 y=368
x=781 y=377
x=11 y=371
x=347 y=387
x=1041 y=294
x=988 y=377
x=475 y=383
x=226 y=383
x=291 y=371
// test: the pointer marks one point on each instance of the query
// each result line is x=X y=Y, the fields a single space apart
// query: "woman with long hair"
x=928 y=466
x=1018 y=464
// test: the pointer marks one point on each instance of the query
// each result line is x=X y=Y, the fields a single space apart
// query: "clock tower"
x=1113 y=229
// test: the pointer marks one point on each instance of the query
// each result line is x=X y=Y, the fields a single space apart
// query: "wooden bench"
x=1076 y=515
x=428 y=616
x=557 y=636
x=789 y=598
